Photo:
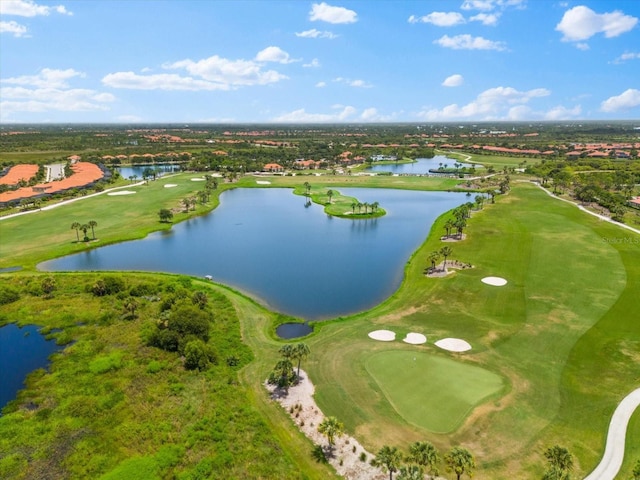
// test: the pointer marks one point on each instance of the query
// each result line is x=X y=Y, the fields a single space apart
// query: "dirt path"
x=614 y=450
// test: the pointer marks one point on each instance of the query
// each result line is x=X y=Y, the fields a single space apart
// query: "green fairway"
x=431 y=392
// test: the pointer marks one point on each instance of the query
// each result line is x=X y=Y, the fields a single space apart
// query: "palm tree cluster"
x=359 y=205
x=560 y=463
x=283 y=374
x=91 y=224
x=422 y=458
x=434 y=257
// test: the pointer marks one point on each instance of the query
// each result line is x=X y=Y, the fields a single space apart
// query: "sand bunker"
x=198 y=179
x=170 y=185
x=263 y=182
x=453 y=345
x=494 y=281
x=122 y=192
x=415 y=338
x=383 y=335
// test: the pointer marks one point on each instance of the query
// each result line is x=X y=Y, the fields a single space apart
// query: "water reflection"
x=300 y=262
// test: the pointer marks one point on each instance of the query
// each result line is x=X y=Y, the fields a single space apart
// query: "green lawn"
x=428 y=391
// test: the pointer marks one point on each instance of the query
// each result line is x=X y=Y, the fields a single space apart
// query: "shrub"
x=154 y=366
x=197 y=355
x=9 y=295
x=107 y=363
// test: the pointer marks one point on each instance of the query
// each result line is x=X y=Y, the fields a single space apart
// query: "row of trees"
x=91 y=224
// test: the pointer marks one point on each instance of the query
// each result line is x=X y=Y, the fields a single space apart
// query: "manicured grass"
x=431 y=392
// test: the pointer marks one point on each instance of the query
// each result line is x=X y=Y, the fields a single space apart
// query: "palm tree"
x=130 y=307
x=560 y=463
x=307 y=187
x=353 y=206
x=359 y=207
x=84 y=227
x=433 y=259
x=75 y=226
x=445 y=252
x=460 y=225
x=411 y=472
x=424 y=454
x=479 y=201
x=286 y=351
x=389 y=459
x=329 y=194
x=374 y=206
x=300 y=352
x=282 y=374
x=165 y=215
x=93 y=224
x=187 y=203
x=331 y=428
x=460 y=461
x=448 y=226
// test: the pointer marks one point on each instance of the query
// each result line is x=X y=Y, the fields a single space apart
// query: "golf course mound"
x=431 y=392
x=453 y=344
x=383 y=335
x=494 y=281
x=415 y=338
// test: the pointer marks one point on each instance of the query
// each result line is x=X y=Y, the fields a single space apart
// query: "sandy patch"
x=121 y=192
x=494 y=281
x=383 y=335
x=304 y=412
x=170 y=185
x=453 y=345
x=263 y=182
x=197 y=179
x=415 y=338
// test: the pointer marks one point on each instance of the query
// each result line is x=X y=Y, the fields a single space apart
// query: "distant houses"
x=634 y=203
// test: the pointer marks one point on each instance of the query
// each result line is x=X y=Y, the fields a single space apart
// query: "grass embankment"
x=112 y=406
x=565 y=320
x=339 y=205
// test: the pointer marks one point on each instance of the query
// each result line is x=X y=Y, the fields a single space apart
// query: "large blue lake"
x=22 y=350
x=295 y=259
x=420 y=167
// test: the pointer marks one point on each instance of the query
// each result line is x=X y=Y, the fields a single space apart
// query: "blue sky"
x=299 y=61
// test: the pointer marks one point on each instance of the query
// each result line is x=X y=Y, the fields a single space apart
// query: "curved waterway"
x=296 y=259
x=420 y=167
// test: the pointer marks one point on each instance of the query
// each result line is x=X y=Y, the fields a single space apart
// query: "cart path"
x=614 y=450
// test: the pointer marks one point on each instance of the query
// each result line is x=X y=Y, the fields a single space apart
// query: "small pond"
x=22 y=350
x=420 y=167
x=288 y=331
x=137 y=170
x=296 y=260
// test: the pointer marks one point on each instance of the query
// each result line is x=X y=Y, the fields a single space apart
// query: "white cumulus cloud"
x=467 y=42
x=28 y=8
x=274 y=54
x=494 y=103
x=315 y=33
x=159 y=81
x=439 y=19
x=315 y=63
x=13 y=27
x=453 y=81
x=488 y=19
x=321 y=84
x=626 y=100
x=302 y=116
x=49 y=91
x=488 y=5
x=581 y=23
x=563 y=113
x=627 y=56
x=46 y=78
x=328 y=13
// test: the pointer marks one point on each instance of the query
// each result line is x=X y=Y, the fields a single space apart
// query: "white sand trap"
x=263 y=182
x=494 y=281
x=453 y=345
x=170 y=185
x=121 y=192
x=198 y=179
x=383 y=335
x=415 y=338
